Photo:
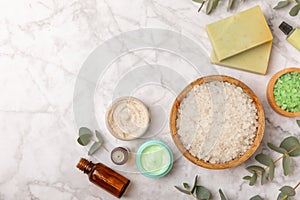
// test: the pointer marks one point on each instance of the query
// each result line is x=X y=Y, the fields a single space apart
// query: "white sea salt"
x=217 y=122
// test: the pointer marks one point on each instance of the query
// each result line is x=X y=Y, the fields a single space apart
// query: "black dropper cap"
x=285 y=28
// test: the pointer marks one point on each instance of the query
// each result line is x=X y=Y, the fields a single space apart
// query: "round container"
x=154 y=159
x=127 y=118
x=119 y=155
x=259 y=133
x=270 y=93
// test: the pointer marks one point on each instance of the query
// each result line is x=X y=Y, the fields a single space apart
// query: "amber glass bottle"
x=104 y=177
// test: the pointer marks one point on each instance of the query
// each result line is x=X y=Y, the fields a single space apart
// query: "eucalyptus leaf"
x=289 y=144
x=295 y=10
x=84 y=139
x=99 y=136
x=277 y=149
x=271 y=171
x=288 y=190
x=298 y=1
x=230 y=4
x=282 y=196
x=264 y=159
x=198 y=1
x=85 y=131
x=186 y=185
x=215 y=4
x=94 y=148
x=263 y=178
x=298 y=120
x=182 y=190
x=247 y=178
x=255 y=168
x=222 y=195
x=202 y=193
x=256 y=197
x=195 y=184
x=209 y=6
x=282 y=4
x=253 y=179
x=286 y=164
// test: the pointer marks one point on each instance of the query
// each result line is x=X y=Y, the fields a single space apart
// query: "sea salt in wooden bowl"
x=270 y=93
x=257 y=133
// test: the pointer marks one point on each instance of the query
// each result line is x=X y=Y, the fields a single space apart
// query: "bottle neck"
x=85 y=165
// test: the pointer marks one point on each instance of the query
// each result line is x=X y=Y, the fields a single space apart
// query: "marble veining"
x=43 y=44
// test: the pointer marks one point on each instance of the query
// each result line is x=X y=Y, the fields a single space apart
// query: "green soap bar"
x=254 y=60
x=294 y=38
x=238 y=33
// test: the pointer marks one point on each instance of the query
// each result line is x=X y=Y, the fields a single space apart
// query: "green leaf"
x=209 y=6
x=253 y=179
x=202 y=193
x=282 y=196
x=256 y=197
x=85 y=131
x=94 y=148
x=182 y=190
x=271 y=171
x=264 y=159
x=195 y=184
x=295 y=10
x=198 y=1
x=84 y=139
x=99 y=136
x=298 y=1
x=288 y=190
x=186 y=185
x=263 y=178
x=277 y=149
x=298 y=120
x=247 y=178
x=222 y=195
x=215 y=4
x=281 y=4
x=289 y=144
x=230 y=4
x=255 y=168
x=286 y=164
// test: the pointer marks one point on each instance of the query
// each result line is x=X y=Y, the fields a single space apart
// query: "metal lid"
x=285 y=28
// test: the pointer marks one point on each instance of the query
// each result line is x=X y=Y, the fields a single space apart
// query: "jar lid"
x=154 y=159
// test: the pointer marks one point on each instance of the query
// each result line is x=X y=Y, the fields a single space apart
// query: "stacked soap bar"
x=242 y=41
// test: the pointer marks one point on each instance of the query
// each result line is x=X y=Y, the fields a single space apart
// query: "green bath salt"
x=287 y=92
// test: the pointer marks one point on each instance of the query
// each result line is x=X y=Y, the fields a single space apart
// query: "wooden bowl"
x=270 y=93
x=259 y=133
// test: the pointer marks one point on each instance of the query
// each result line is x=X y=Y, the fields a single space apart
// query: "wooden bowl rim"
x=259 y=133
x=270 y=93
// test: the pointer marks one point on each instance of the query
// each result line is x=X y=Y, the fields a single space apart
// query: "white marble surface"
x=43 y=45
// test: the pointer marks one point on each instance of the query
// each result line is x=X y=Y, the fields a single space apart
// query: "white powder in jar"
x=218 y=113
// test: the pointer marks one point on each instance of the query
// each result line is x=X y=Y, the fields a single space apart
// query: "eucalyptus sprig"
x=287 y=191
x=289 y=147
x=197 y=191
x=201 y=193
x=86 y=136
x=294 y=10
x=212 y=4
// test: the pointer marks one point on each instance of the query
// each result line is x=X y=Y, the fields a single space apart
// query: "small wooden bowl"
x=259 y=133
x=270 y=93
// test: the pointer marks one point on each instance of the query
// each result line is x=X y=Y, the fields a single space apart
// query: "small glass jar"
x=154 y=159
